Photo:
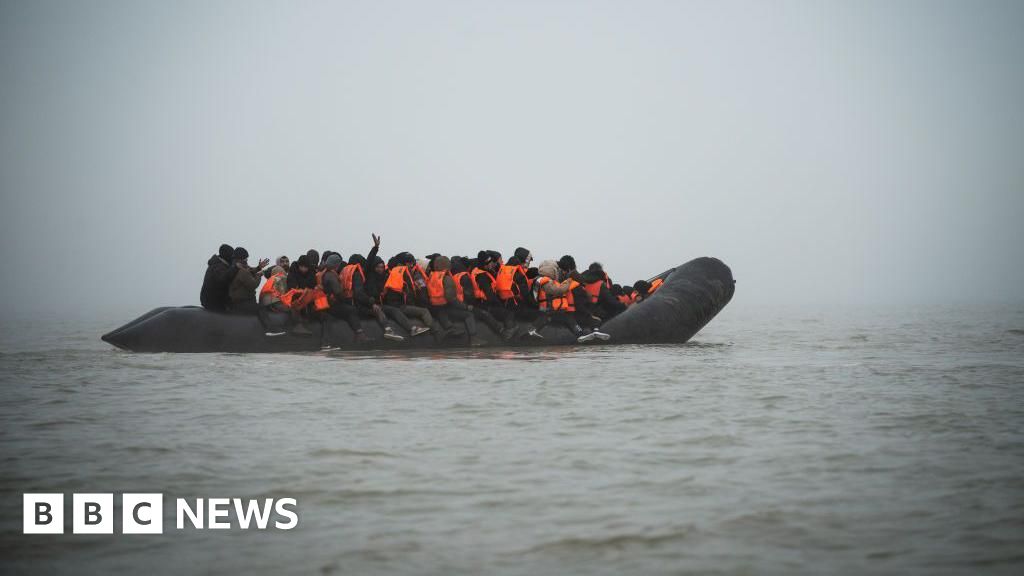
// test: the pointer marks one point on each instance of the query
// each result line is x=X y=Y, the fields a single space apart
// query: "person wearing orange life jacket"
x=483 y=280
x=447 y=298
x=620 y=294
x=630 y=293
x=597 y=284
x=583 y=311
x=655 y=284
x=270 y=299
x=554 y=299
x=402 y=293
x=511 y=284
x=353 y=287
x=338 y=305
x=300 y=282
x=461 y=267
x=275 y=285
x=514 y=286
x=641 y=289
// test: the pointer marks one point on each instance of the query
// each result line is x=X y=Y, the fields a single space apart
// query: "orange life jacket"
x=458 y=285
x=268 y=286
x=566 y=302
x=624 y=299
x=504 y=284
x=594 y=290
x=320 y=301
x=542 y=296
x=397 y=278
x=346 y=279
x=435 y=287
x=478 y=292
x=655 y=285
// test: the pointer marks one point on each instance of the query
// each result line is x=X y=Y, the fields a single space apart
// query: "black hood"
x=225 y=251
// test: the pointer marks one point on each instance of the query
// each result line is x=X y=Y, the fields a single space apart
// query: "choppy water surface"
x=879 y=441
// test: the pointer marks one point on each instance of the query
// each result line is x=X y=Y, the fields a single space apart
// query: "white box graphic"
x=43 y=513
x=142 y=513
x=92 y=513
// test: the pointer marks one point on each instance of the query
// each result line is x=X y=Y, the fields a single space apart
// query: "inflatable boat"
x=691 y=295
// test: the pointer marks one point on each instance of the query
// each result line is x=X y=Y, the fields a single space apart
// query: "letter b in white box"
x=142 y=513
x=92 y=513
x=42 y=513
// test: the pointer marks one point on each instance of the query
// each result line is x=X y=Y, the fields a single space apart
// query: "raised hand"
x=376 y=240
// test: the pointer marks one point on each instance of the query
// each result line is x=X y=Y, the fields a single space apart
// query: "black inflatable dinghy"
x=692 y=294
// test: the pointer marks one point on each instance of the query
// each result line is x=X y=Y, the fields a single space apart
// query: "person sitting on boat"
x=554 y=300
x=598 y=287
x=620 y=295
x=353 y=285
x=483 y=279
x=217 y=280
x=580 y=301
x=301 y=292
x=461 y=265
x=376 y=276
x=629 y=293
x=273 y=288
x=242 y=291
x=513 y=287
x=338 y=305
x=447 y=298
x=400 y=293
x=641 y=289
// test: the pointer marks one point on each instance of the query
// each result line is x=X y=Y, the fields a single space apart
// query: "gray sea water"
x=776 y=442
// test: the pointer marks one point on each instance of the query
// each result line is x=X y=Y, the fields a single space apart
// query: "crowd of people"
x=440 y=292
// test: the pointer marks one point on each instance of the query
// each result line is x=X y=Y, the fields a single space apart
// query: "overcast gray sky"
x=827 y=151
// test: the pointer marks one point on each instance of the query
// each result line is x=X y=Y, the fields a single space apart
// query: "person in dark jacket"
x=407 y=302
x=584 y=310
x=641 y=288
x=479 y=309
x=301 y=274
x=366 y=306
x=242 y=291
x=524 y=304
x=376 y=277
x=607 y=305
x=219 y=274
x=453 y=309
x=340 y=307
x=488 y=261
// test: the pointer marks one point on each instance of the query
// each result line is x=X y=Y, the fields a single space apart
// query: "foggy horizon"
x=830 y=153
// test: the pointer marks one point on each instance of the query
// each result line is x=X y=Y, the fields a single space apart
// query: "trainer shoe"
x=389 y=333
x=417 y=330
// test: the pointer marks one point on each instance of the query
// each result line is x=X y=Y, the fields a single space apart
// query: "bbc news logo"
x=144 y=513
